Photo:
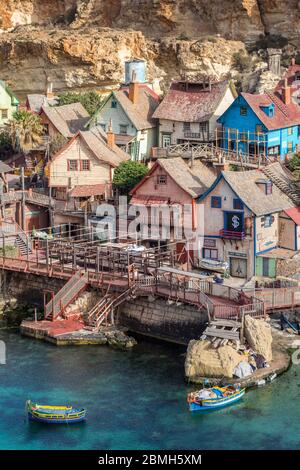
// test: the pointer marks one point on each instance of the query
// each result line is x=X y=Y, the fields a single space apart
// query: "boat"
x=212 y=265
x=55 y=414
x=214 y=398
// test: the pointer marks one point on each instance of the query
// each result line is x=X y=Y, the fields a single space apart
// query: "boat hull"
x=48 y=420
x=55 y=414
x=213 y=404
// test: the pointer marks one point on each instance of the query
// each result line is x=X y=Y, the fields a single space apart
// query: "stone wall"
x=27 y=287
x=158 y=319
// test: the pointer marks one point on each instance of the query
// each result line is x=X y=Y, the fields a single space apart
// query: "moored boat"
x=214 y=398
x=55 y=414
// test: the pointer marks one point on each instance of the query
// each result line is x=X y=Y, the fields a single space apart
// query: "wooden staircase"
x=100 y=312
x=67 y=294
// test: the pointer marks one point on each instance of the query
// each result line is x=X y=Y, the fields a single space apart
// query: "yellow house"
x=84 y=167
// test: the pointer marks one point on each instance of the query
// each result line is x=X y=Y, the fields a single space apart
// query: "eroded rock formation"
x=83 y=43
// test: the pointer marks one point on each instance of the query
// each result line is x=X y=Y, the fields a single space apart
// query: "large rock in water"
x=203 y=360
x=259 y=336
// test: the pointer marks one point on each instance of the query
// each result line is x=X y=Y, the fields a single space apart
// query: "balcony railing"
x=232 y=235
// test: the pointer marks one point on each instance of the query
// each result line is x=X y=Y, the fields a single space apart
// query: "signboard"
x=236 y=254
x=234 y=221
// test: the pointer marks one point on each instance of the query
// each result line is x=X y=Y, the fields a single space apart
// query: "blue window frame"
x=267 y=221
x=238 y=204
x=210 y=253
x=216 y=202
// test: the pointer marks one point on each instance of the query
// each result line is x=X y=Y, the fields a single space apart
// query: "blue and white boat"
x=214 y=398
x=55 y=414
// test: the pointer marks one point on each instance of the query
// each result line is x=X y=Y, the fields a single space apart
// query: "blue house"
x=265 y=124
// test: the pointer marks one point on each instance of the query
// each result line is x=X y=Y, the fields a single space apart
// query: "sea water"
x=135 y=400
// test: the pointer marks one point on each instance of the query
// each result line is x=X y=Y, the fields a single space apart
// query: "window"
x=258 y=129
x=85 y=165
x=216 y=202
x=290 y=147
x=267 y=221
x=243 y=111
x=238 y=204
x=186 y=126
x=290 y=131
x=203 y=126
x=114 y=104
x=4 y=113
x=123 y=129
x=269 y=187
x=166 y=140
x=161 y=179
x=72 y=165
x=208 y=253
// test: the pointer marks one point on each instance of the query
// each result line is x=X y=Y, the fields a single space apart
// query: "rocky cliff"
x=83 y=43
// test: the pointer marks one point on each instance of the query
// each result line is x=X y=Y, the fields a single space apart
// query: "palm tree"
x=25 y=130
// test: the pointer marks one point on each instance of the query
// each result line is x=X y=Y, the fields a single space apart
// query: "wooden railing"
x=66 y=295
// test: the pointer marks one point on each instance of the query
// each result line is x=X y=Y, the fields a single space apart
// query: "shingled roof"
x=36 y=101
x=284 y=115
x=141 y=113
x=246 y=188
x=191 y=104
x=96 y=140
x=195 y=181
x=67 y=119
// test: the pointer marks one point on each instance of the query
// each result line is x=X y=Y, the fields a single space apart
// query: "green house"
x=8 y=103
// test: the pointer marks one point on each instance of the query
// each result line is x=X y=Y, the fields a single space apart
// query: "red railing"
x=231 y=234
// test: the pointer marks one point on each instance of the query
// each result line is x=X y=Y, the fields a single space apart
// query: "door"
x=269 y=267
x=238 y=267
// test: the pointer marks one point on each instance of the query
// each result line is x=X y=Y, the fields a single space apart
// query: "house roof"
x=36 y=101
x=195 y=181
x=141 y=113
x=88 y=190
x=67 y=119
x=289 y=75
x=14 y=99
x=284 y=115
x=294 y=214
x=246 y=188
x=191 y=104
x=96 y=141
x=284 y=180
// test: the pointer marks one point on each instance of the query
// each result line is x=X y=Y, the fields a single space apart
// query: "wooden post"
x=3 y=245
x=47 y=255
x=23 y=199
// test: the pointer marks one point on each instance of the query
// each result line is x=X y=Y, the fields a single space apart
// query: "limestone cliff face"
x=83 y=43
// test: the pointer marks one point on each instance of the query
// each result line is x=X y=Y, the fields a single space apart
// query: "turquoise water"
x=135 y=400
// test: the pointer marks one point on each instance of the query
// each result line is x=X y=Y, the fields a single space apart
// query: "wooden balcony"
x=229 y=234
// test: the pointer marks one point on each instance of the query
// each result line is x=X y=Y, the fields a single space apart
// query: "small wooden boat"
x=213 y=398
x=55 y=414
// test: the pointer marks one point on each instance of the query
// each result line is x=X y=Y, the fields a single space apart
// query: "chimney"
x=286 y=93
x=110 y=136
x=49 y=92
x=133 y=89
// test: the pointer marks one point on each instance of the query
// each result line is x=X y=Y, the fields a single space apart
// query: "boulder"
x=203 y=360
x=259 y=336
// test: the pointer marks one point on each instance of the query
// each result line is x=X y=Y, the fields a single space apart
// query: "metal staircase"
x=100 y=312
x=18 y=236
x=67 y=294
